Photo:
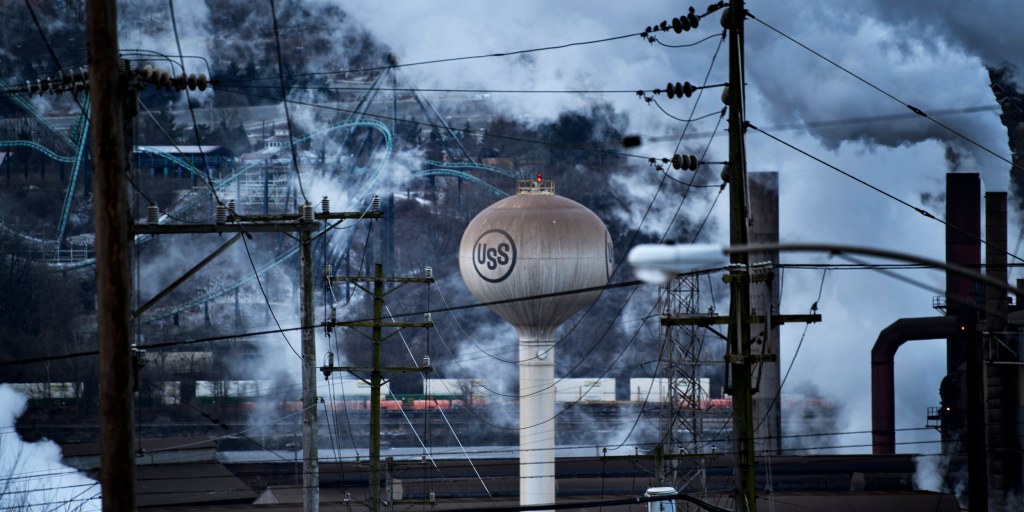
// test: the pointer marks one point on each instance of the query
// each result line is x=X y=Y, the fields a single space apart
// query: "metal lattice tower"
x=682 y=413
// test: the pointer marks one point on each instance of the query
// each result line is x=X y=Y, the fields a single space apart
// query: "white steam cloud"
x=32 y=477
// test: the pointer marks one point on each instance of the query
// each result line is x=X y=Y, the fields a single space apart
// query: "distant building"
x=271 y=153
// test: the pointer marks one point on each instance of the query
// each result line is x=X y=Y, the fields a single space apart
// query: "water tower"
x=531 y=244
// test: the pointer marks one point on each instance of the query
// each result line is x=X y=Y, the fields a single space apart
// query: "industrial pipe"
x=883 y=404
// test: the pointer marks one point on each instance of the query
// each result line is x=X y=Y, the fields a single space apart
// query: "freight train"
x=445 y=394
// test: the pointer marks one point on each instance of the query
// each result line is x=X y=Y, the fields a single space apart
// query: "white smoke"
x=930 y=473
x=32 y=477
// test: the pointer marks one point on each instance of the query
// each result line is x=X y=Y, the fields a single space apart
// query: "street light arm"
x=877 y=252
x=659 y=263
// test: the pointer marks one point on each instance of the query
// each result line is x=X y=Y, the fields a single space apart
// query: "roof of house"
x=178 y=484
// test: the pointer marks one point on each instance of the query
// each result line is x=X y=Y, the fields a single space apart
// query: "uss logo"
x=494 y=255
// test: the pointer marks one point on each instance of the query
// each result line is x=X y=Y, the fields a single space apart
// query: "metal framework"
x=682 y=413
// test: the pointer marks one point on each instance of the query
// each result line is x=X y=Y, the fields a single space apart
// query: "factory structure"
x=981 y=409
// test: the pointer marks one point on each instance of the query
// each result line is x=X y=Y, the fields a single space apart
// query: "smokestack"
x=763 y=190
x=1002 y=397
x=963 y=247
x=995 y=259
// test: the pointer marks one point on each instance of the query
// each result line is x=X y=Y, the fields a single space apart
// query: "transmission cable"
x=782 y=384
x=917 y=209
x=284 y=100
x=688 y=45
x=443 y=415
x=191 y=110
x=450 y=59
x=266 y=299
x=53 y=55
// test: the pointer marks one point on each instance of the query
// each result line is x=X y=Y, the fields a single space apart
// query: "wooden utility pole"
x=113 y=275
x=305 y=223
x=310 y=457
x=376 y=371
x=738 y=350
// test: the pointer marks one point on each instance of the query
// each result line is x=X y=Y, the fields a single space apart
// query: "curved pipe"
x=883 y=404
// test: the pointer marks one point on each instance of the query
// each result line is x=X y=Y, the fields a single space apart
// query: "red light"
x=539 y=178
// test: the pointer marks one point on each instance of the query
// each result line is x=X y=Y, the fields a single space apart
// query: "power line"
x=452 y=90
x=807 y=325
x=449 y=59
x=188 y=101
x=284 y=97
x=656 y=40
x=885 y=193
x=42 y=35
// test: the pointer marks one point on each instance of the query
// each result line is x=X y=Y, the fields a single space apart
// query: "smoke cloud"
x=32 y=477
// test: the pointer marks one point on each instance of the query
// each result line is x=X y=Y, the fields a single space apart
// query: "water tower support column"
x=536 y=421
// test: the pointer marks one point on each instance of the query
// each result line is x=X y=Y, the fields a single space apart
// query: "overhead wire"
x=687 y=45
x=455 y=435
x=191 y=110
x=910 y=107
x=284 y=100
x=263 y=292
x=449 y=59
x=686 y=192
x=205 y=177
x=313 y=87
x=792 y=360
x=883 y=192
x=291 y=329
x=681 y=120
x=53 y=54
x=446 y=308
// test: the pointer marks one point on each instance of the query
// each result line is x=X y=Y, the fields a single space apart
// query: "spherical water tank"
x=535 y=244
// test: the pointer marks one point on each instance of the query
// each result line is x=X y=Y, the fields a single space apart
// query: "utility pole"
x=310 y=457
x=376 y=371
x=738 y=351
x=305 y=223
x=113 y=274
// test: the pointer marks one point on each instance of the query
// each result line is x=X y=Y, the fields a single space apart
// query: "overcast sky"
x=929 y=54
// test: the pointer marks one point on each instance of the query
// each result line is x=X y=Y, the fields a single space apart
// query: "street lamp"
x=659 y=263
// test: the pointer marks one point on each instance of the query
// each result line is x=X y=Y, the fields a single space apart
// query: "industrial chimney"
x=536 y=244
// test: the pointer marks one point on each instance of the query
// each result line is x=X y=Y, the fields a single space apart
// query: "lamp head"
x=660 y=263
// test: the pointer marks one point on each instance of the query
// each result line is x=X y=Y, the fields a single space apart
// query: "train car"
x=656 y=390
x=350 y=389
x=232 y=392
x=435 y=404
x=50 y=393
x=585 y=390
